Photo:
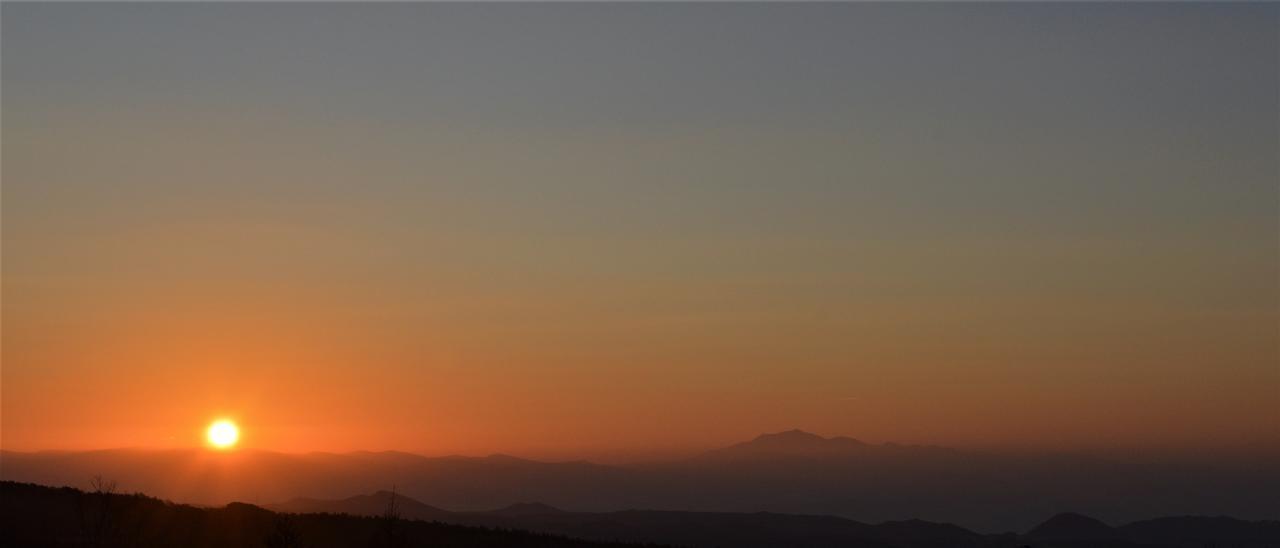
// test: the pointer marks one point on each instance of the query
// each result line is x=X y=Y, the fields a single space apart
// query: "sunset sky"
x=612 y=231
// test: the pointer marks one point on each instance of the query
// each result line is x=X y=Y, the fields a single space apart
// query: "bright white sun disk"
x=223 y=434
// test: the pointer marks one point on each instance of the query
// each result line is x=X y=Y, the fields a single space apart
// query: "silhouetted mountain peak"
x=1072 y=526
x=372 y=504
x=384 y=497
x=920 y=530
x=791 y=443
x=800 y=438
x=242 y=507
x=793 y=435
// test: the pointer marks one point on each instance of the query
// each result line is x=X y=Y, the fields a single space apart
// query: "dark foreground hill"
x=39 y=516
x=764 y=529
x=696 y=529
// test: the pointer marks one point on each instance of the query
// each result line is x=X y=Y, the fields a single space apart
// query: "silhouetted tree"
x=284 y=534
x=95 y=510
x=388 y=535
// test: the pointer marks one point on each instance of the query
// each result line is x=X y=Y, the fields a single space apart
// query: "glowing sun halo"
x=223 y=434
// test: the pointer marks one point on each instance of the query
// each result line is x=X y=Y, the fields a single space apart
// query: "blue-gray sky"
x=503 y=226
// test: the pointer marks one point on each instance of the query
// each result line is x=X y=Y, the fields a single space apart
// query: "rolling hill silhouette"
x=1071 y=530
x=366 y=505
x=1072 y=526
x=33 y=515
x=38 y=516
x=792 y=472
x=695 y=529
x=762 y=529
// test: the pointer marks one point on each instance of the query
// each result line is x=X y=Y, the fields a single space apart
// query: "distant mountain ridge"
x=367 y=505
x=791 y=443
x=797 y=443
x=791 y=472
x=762 y=529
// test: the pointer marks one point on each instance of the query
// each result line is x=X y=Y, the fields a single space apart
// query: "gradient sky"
x=585 y=230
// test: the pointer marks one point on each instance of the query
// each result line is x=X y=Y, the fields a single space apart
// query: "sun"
x=223 y=434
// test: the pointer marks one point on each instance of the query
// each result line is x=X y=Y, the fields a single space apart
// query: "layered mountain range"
x=765 y=529
x=790 y=472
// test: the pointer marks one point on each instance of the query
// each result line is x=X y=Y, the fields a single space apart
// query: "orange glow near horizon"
x=455 y=239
